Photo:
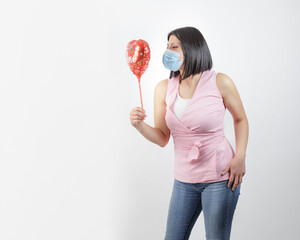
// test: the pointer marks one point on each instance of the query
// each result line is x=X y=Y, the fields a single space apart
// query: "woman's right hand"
x=137 y=115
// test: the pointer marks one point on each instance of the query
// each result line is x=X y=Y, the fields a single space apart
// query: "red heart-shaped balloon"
x=138 y=56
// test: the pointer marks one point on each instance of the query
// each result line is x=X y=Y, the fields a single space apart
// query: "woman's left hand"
x=237 y=170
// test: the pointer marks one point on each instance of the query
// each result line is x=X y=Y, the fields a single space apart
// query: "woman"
x=191 y=105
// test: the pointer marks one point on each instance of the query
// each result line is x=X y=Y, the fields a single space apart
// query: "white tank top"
x=180 y=105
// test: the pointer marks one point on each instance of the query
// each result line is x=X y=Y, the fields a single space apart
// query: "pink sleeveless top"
x=202 y=151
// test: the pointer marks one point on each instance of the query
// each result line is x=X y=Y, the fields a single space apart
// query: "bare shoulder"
x=225 y=84
x=231 y=97
x=161 y=88
x=162 y=85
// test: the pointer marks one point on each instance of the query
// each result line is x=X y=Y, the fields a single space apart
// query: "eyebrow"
x=173 y=43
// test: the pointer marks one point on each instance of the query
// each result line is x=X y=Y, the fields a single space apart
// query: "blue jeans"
x=187 y=201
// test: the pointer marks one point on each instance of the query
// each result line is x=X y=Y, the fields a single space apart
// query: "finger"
x=241 y=179
x=236 y=182
x=135 y=112
x=225 y=170
x=230 y=180
x=139 y=109
x=134 y=117
x=141 y=114
x=137 y=116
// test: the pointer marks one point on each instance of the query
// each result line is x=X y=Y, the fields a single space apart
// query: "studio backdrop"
x=71 y=164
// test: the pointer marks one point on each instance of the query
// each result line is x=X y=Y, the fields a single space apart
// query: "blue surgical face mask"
x=171 y=60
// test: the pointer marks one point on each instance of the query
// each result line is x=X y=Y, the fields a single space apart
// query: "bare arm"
x=234 y=105
x=159 y=134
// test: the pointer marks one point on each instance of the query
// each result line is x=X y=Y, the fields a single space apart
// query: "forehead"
x=173 y=39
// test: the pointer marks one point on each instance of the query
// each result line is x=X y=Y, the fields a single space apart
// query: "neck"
x=193 y=79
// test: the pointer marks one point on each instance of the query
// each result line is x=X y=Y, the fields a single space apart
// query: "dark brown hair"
x=197 y=57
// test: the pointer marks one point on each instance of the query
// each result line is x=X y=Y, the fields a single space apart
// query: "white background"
x=72 y=166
